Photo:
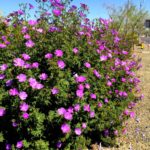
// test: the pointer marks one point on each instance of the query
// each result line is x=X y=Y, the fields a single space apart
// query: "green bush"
x=65 y=81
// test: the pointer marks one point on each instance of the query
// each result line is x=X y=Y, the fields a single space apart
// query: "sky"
x=97 y=7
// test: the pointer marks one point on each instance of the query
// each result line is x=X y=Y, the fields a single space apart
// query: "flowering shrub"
x=66 y=82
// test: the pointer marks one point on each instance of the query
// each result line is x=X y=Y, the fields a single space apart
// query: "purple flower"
x=9 y=82
x=32 y=22
x=19 y=62
x=39 y=86
x=49 y=56
x=2 y=111
x=116 y=39
x=14 y=124
x=43 y=76
x=96 y=73
x=13 y=92
x=23 y=95
x=103 y=58
x=61 y=64
x=116 y=132
x=25 y=115
x=25 y=56
x=70 y=109
x=92 y=114
x=55 y=91
x=29 y=44
x=58 y=53
x=19 y=144
x=2 y=76
x=56 y=12
x=93 y=96
x=80 y=93
x=75 y=50
x=77 y=107
x=87 y=65
x=80 y=79
x=65 y=128
x=83 y=125
x=21 y=77
x=24 y=107
x=59 y=144
x=68 y=116
x=78 y=131
x=126 y=112
x=3 y=67
x=31 y=6
x=61 y=111
x=86 y=107
x=8 y=147
x=35 y=65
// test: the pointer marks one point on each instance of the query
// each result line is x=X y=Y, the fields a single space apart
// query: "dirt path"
x=138 y=134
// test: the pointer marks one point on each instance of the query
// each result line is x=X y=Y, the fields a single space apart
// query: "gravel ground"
x=138 y=129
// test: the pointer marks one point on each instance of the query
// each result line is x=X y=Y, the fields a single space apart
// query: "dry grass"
x=138 y=135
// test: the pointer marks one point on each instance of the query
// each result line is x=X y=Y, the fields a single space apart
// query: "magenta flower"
x=96 y=73
x=92 y=114
x=68 y=116
x=75 y=50
x=56 y=12
x=55 y=91
x=19 y=62
x=86 y=107
x=21 y=77
x=35 y=65
x=78 y=131
x=65 y=128
x=31 y=6
x=80 y=93
x=106 y=100
x=25 y=56
x=23 y=95
x=58 y=53
x=70 y=109
x=132 y=114
x=24 y=107
x=61 y=64
x=103 y=58
x=80 y=79
x=49 y=56
x=87 y=65
x=2 y=111
x=25 y=115
x=109 y=83
x=77 y=107
x=13 y=92
x=116 y=132
x=61 y=111
x=32 y=22
x=84 y=125
x=87 y=86
x=126 y=112
x=2 y=45
x=19 y=144
x=3 y=67
x=39 y=86
x=100 y=104
x=27 y=36
x=43 y=76
x=93 y=96
x=29 y=44
x=81 y=87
